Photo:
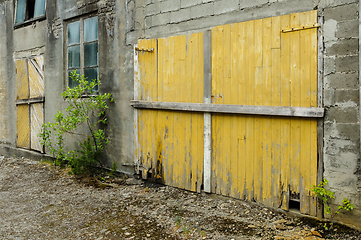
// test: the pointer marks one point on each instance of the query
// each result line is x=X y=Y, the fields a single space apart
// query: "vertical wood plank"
x=207 y=164
x=22 y=79
x=23 y=127
x=295 y=101
x=37 y=120
x=319 y=209
x=276 y=101
x=285 y=122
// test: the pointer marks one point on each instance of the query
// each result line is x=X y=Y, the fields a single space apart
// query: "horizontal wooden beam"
x=30 y=100
x=231 y=109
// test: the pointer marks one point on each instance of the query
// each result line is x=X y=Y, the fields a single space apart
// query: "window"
x=82 y=48
x=28 y=10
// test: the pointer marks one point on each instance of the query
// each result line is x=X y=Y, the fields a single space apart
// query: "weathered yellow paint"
x=23 y=128
x=37 y=120
x=171 y=143
x=36 y=77
x=29 y=84
x=22 y=82
x=266 y=159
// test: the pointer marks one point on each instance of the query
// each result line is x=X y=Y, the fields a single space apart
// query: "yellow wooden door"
x=169 y=144
x=266 y=62
x=30 y=102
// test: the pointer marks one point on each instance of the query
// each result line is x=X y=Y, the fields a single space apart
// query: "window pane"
x=91 y=74
x=39 y=8
x=73 y=33
x=72 y=83
x=91 y=29
x=91 y=54
x=20 y=11
x=74 y=57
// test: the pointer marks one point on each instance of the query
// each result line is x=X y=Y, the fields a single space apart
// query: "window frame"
x=26 y=22
x=81 y=43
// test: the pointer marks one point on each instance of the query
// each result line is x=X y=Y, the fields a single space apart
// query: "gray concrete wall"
x=3 y=72
x=115 y=71
x=7 y=77
x=156 y=18
x=47 y=37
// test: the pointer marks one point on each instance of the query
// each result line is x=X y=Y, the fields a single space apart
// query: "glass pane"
x=39 y=8
x=20 y=11
x=72 y=83
x=91 y=54
x=74 y=57
x=91 y=29
x=74 y=33
x=91 y=74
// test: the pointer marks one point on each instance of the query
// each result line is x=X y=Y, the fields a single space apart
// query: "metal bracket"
x=144 y=49
x=316 y=25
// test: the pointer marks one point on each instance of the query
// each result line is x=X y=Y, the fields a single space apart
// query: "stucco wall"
x=3 y=73
x=115 y=71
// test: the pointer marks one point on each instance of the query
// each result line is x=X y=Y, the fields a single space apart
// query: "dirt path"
x=40 y=202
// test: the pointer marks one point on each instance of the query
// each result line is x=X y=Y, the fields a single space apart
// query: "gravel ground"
x=38 y=201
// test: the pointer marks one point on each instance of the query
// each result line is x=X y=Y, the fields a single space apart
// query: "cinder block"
x=348 y=29
x=343 y=96
x=152 y=9
x=180 y=15
x=342 y=115
x=140 y=3
x=189 y=3
x=347 y=64
x=202 y=10
x=252 y=3
x=131 y=38
x=329 y=97
x=329 y=30
x=343 y=47
x=169 y=5
x=139 y=15
x=224 y=6
x=329 y=65
x=348 y=131
x=334 y=3
x=342 y=81
x=161 y=19
x=342 y=13
x=148 y=22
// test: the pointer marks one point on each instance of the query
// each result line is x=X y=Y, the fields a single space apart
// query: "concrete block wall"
x=342 y=103
x=341 y=153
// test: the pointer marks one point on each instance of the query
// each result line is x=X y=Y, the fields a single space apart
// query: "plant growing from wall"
x=86 y=109
x=326 y=195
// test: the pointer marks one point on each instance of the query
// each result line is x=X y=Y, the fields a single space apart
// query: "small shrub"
x=326 y=195
x=86 y=108
x=113 y=170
